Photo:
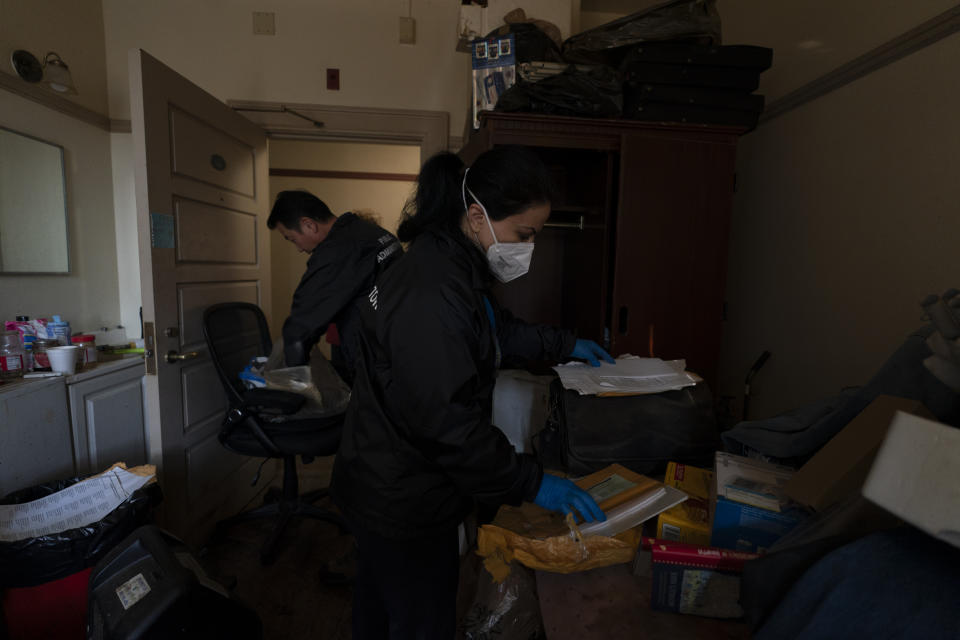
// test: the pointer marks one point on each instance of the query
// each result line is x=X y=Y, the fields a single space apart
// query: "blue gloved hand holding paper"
x=560 y=494
x=589 y=350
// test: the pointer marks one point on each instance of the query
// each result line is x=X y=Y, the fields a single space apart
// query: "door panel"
x=206 y=233
x=671 y=248
x=195 y=297
x=201 y=191
x=198 y=405
x=209 y=466
x=210 y=155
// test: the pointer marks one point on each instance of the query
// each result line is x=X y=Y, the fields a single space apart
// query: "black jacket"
x=340 y=273
x=418 y=446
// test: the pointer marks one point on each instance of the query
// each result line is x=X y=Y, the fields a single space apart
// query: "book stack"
x=751 y=511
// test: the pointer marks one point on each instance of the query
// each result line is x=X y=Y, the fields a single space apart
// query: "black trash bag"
x=597 y=93
x=696 y=20
x=509 y=610
x=531 y=44
x=33 y=561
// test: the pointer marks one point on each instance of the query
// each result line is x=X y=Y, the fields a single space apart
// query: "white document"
x=78 y=505
x=634 y=512
x=630 y=375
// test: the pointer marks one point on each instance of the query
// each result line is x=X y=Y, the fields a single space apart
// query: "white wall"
x=383 y=198
x=812 y=38
x=845 y=218
x=125 y=221
x=211 y=43
x=87 y=297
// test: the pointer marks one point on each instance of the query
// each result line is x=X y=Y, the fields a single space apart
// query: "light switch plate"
x=408 y=30
x=264 y=23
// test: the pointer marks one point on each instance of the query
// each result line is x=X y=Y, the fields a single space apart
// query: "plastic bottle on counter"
x=88 y=348
x=60 y=329
x=28 y=353
x=11 y=355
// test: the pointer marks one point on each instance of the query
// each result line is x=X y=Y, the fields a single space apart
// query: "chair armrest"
x=272 y=401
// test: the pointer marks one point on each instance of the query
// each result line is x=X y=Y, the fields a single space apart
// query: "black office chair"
x=235 y=333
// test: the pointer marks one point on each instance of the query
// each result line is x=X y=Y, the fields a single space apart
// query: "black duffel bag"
x=643 y=433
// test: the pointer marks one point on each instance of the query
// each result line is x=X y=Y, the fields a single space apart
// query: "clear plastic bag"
x=696 y=20
x=326 y=393
x=508 y=610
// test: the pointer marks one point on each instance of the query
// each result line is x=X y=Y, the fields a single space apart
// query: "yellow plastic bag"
x=541 y=539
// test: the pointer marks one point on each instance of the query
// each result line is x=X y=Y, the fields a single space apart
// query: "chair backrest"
x=235 y=332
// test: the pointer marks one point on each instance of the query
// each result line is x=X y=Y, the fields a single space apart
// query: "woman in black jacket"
x=418 y=448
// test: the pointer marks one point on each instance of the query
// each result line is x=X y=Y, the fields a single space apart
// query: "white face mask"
x=508 y=260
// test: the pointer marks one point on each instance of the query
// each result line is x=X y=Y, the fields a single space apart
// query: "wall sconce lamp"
x=54 y=72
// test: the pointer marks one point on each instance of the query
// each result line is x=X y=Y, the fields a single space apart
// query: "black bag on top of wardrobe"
x=643 y=433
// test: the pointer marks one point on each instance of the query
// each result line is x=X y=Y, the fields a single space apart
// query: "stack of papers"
x=76 y=506
x=629 y=376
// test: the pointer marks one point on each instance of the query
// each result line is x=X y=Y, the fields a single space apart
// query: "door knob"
x=173 y=356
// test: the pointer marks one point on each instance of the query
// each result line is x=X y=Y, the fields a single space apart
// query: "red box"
x=697 y=580
x=54 y=610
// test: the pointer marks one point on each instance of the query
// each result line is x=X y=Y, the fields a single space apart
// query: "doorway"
x=369 y=178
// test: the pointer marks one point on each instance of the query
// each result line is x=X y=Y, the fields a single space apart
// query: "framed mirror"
x=33 y=206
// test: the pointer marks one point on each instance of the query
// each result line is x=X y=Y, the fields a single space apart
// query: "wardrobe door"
x=675 y=198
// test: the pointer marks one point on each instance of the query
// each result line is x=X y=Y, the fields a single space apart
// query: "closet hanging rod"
x=282 y=109
x=565 y=225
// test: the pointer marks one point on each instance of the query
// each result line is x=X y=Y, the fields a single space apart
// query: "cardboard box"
x=744 y=527
x=695 y=579
x=916 y=475
x=839 y=469
x=688 y=522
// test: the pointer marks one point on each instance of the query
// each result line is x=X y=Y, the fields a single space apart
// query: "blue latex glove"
x=559 y=494
x=589 y=350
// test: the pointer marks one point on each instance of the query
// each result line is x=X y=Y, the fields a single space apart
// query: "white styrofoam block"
x=520 y=405
x=916 y=475
x=110 y=336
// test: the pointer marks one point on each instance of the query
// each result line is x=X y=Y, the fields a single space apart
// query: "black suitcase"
x=745 y=56
x=643 y=433
x=645 y=93
x=659 y=112
x=741 y=78
x=151 y=587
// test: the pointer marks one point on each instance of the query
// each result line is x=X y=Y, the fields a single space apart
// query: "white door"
x=201 y=176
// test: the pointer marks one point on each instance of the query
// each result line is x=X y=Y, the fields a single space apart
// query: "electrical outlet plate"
x=408 y=30
x=264 y=23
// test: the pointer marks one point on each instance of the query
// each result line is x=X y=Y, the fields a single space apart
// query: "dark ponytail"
x=507 y=180
x=436 y=204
